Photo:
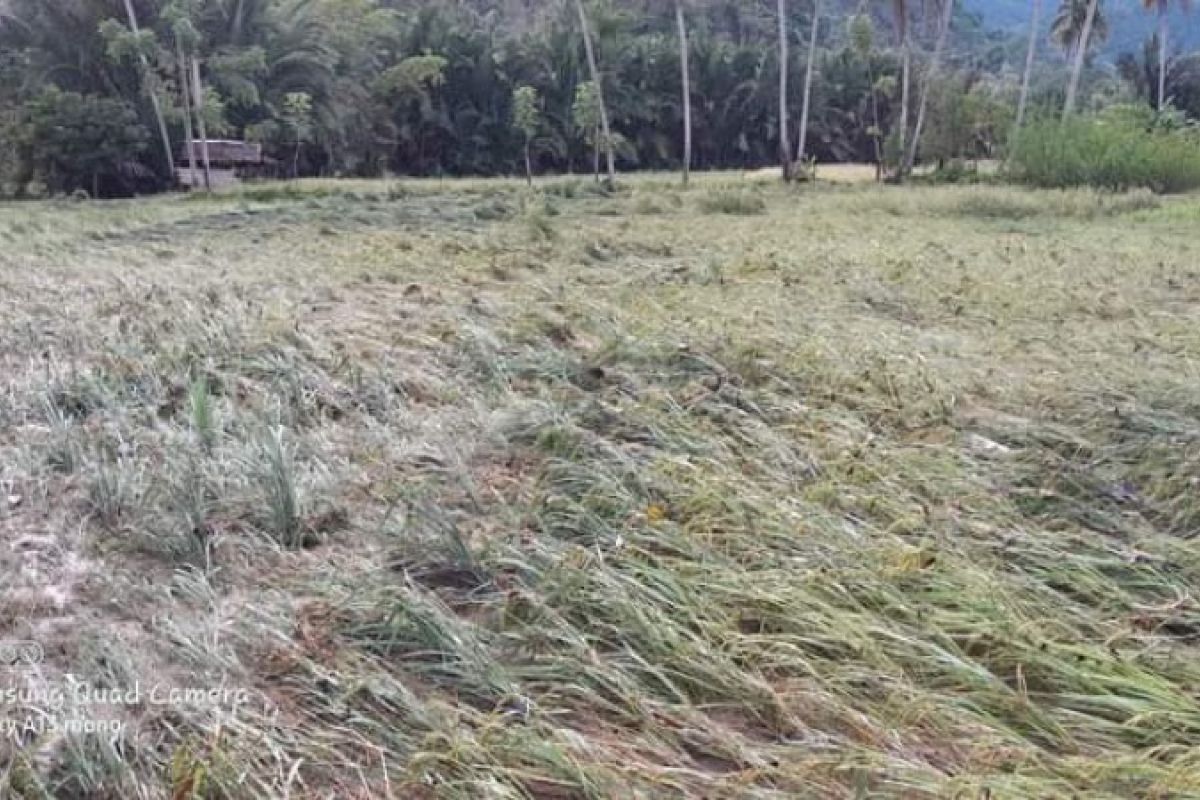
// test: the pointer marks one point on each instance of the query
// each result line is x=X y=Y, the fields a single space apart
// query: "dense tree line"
x=99 y=94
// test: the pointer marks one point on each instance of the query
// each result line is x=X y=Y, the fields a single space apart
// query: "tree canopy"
x=363 y=87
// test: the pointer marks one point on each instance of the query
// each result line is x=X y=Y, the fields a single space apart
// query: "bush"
x=1118 y=150
x=72 y=142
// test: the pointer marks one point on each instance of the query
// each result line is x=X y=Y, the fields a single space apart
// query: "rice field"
x=453 y=489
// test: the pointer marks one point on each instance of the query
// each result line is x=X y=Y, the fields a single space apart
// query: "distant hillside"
x=1128 y=24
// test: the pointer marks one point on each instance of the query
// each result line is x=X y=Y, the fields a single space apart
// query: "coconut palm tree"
x=862 y=43
x=185 y=94
x=149 y=88
x=585 y=29
x=900 y=20
x=1161 y=7
x=785 y=154
x=61 y=44
x=1065 y=25
x=808 y=76
x=681 y=23
x=200 y=106
x=1029 y=55
x=910 y=157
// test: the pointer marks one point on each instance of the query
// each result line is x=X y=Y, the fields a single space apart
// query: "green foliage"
x=70 y=141
x=424 y=87
x=1068 y=22
x=297 y=113
x=966 y=121
x=434 y=87
x=238 y=75
x=122 y=44
x=1121 y=149
x=1140 y=72
x=527 y=111
x=415 y=77
x=862 y=34
x=586 y=110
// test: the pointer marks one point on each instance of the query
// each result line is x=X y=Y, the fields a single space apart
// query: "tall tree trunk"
x=1080 y=54
x=186 y=93
x=785 y=154
x=158 y=114
x=910 y=157
x=905 y=94
x=877 y=135
x=596 y=80
x=528 y=164
x=198 y=94
x=1162 y=55
x=900 y=10
x=808 y=75
x=687 y=91
x=1030 y=51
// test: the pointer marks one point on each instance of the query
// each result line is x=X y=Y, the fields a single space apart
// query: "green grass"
x=741 y=203
x=1116 y=151
x=865 y=491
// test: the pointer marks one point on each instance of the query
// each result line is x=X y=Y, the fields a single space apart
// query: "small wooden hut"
x=230 y=160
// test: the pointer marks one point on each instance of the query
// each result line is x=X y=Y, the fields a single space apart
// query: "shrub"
x=74 y=142
x=1118 y=150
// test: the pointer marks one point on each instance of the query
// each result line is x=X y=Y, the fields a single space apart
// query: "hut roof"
x=226 y=151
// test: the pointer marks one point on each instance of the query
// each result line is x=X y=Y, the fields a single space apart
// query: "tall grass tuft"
x=1119 y=150
x=114 y=488
x=200 y=405
x=279 y=485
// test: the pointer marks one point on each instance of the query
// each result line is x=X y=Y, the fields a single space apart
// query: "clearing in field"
x=453 y=490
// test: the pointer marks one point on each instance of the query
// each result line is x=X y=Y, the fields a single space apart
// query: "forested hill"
x=1129 y=24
